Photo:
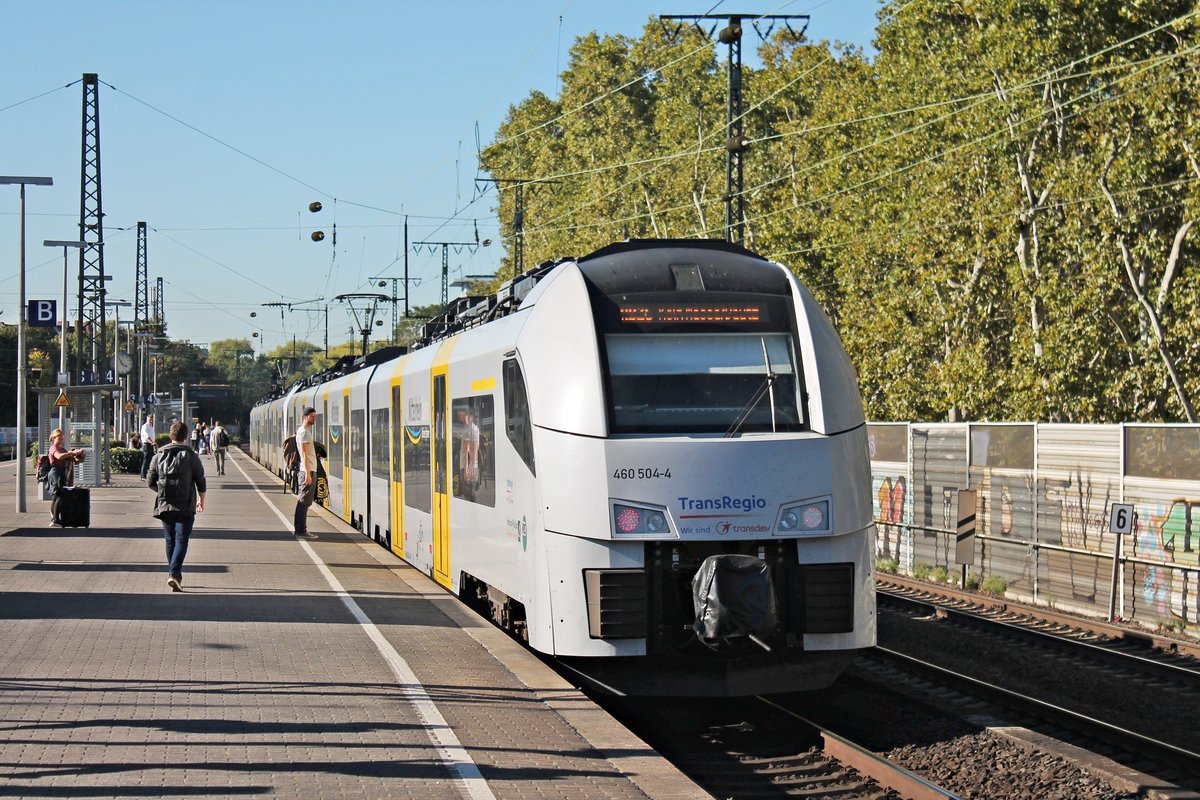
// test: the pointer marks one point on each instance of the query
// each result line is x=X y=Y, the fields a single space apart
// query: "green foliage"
x=996 y=209
x=972 y=581
x=887 y=566
x=993 y=585
x=125 y=459
x=938 y=575
x=161 y=439
x=921 y=571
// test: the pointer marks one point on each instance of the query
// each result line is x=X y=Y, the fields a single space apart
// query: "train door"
x=441 y=488
x=346 y=434
x=396 y=484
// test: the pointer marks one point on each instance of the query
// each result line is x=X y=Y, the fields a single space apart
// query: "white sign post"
x=1121 y=520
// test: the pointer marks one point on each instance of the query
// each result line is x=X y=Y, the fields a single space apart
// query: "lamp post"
x=22 y=367
x=117 y=411
x=62 y=355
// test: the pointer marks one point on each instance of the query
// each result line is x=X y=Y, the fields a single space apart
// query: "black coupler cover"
x=733 y=596
x=74 y=508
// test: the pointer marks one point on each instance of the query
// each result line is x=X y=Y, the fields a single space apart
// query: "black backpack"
x=175 y=477
x=221 y=439
x=43 y=468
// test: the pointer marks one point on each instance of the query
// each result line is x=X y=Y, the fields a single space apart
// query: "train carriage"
x=649 y=463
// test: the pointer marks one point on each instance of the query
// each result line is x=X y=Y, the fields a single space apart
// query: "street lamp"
x=22 y=367
x=63 y=375
x=117 y=365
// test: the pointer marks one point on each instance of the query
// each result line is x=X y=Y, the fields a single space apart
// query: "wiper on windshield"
x=767 y=387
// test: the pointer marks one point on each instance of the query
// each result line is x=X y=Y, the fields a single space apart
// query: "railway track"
x=758 y=747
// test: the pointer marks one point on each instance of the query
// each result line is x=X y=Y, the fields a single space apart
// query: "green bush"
x=972 y=581
x=33 y=450
x=162 y=439
x=993 y=585
x=887 y=565
x=921 y=571
x=125 y=459
x=938 y=575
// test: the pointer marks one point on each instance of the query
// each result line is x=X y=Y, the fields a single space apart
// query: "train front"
x=706 y=492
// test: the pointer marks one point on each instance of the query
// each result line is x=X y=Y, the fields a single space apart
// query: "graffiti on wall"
x=890 y=495
x=1170 y=534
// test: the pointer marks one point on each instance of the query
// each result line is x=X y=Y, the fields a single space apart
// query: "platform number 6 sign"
x=1121 y=518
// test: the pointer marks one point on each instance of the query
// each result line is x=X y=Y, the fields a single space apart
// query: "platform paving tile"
x=256 y=680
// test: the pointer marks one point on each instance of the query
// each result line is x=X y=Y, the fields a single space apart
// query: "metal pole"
x=62 y=356
x=21 y=372
x=405 y=269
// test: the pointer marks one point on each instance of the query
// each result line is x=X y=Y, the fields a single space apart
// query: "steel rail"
x=1147 y=638
x=1089 y=726
x=871 y=764
x=1117 y=658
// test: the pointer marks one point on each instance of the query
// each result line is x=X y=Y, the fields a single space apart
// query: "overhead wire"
x=39 y=96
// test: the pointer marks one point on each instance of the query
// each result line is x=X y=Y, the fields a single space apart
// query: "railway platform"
x=322 y=667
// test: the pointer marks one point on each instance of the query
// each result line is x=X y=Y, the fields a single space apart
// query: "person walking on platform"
x=220 y=443
x=177 y=475
x=147 y=434
x=306 y=488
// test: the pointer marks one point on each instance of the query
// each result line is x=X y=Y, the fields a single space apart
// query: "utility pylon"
x=519 y=185
x=141 y=296
x=91 y=233
x=368 y=317
x=395 y=301
x=735 y=137
x=160 y=316
x=458 y=248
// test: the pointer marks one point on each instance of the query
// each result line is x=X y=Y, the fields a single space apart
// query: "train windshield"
x=703 y=382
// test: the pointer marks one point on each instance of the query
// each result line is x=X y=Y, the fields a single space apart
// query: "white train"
x=651 y=463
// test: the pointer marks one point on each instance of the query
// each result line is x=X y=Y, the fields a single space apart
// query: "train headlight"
x=807 y=517
x=631 y=520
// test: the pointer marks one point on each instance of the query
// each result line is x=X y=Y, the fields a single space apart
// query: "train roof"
x=633 y=265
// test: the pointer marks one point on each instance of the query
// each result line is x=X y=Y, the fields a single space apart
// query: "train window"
x=337 y=440
x=473 y=435
x=702 y=382
x=380 y=461
x=418 y=493
x=517 y=423
x=397 y=435
x=358 y=440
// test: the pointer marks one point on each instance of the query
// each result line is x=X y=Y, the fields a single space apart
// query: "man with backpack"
x=220 y=443
x=177 y=475
x=306 y=488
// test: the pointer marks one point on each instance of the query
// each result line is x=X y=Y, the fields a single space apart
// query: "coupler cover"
x=733 y=596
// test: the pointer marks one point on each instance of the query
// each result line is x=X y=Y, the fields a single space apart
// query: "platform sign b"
x=43 y=313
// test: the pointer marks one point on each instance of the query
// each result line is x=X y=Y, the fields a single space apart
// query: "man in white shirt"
x=147 y=434
x=306 y=486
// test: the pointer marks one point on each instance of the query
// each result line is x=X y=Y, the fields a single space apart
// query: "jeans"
x=305 y=493
x=147 y=454
x=220 y=454
x=177 y=529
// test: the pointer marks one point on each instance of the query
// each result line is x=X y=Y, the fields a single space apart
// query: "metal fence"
x=1044 y=493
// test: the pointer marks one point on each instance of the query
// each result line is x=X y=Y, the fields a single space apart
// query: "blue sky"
x=351 y=104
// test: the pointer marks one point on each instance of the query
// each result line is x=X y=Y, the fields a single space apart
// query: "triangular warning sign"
x=62 y=401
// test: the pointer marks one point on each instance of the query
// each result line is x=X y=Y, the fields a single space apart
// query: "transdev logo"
x=726 y=528
x=723 y=503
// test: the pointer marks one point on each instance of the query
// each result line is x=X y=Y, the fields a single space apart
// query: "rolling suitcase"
x=74 y=508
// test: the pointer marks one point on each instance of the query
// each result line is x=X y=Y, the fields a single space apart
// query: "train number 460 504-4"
x=641 y=473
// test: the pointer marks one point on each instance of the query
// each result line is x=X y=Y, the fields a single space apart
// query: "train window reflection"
x=701 y=382
x=473 y=433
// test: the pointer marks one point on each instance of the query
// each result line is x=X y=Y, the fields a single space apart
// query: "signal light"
x=635 y=521
x=808 y=517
